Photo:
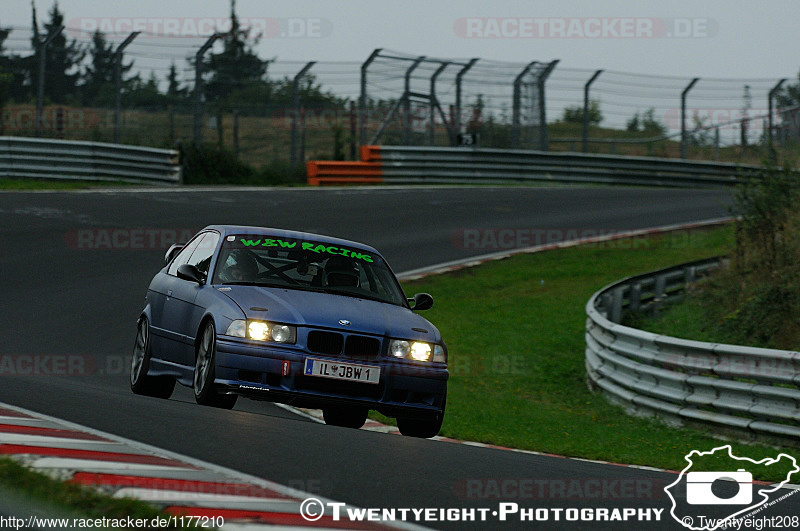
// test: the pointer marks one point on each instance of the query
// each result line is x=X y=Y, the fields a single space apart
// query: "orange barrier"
x=342 y=172
x=370 y=153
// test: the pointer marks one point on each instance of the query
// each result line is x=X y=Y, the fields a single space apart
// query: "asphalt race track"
x=71 y=301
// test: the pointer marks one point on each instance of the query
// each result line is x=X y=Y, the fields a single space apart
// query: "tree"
x=788 y=100
x=646 y=122
x=175 y=92
x=237 y=67
x=63 y=58
x=99 y=82
x=574 y=114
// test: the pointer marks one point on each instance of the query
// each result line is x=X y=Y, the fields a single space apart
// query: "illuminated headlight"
x=262 y=331
x=415 y=350
x=258 y=330
x=420 y=351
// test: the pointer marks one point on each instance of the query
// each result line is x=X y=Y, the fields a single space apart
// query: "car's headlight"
x=262 y=331
x=416 y=350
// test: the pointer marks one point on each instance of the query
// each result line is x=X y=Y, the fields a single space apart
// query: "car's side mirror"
x=422 y=301
x=172 y=251
x=190 y=273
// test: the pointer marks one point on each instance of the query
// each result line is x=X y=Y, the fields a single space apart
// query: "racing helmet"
x=342 y=272
x=239 y=266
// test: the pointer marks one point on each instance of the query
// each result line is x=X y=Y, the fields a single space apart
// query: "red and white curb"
x=180 y=485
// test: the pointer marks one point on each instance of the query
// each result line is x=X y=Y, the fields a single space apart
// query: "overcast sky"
x=714 y=38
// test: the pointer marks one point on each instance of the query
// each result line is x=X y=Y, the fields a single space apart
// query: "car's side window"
x=184 y=255
x=201 y=258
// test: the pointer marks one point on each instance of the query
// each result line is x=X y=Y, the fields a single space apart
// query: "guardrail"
x=93 y=161
x=405 y=164
x=748 y=391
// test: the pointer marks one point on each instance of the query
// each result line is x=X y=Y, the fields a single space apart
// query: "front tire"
x=346 y=417
x=205 y=390
x=141 y=382
x=424 y=428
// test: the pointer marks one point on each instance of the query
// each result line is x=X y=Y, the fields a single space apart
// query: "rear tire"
x=205 y=390
x=346 y=417
x=141 y=382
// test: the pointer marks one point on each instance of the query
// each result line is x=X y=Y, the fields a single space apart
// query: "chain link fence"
x=325 y=110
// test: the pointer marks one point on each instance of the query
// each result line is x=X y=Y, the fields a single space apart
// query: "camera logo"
x=719 y=488
x=729 y=495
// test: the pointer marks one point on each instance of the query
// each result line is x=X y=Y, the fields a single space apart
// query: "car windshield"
x=273 y=261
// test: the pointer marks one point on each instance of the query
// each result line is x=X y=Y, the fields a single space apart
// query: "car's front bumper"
x=276 y=373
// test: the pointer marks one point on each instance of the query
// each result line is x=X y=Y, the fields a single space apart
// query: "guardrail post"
x=635 y=298
x=457 y=113
x=616 y=308
x=517 y=105
x=198 y=88
x=296 y=104
x=770 y=99
x=40 y=92
x=434 y=103
x=117 y=58
x=586 y=110
x=683 y=115
x=362 y=99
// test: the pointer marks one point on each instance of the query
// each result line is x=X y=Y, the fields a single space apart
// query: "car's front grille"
x=325 y=342
x=362 y=347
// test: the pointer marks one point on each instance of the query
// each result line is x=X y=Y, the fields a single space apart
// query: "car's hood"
x=311 y=308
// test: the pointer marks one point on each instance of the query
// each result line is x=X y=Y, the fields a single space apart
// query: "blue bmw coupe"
x=291 y=317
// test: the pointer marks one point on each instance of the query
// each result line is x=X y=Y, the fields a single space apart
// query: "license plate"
x=342 y=371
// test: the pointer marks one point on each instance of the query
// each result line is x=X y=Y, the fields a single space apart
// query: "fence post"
x=770 y=98
x=362 y=99
x=683 y=115
x=296 y=104
x=236 y=133
x=434 y=102
x=586 y=110
x=117 y=58
x=406 y=116
x=198 y=88
x=543 y=75
x=516 y=108
x=457 y=111
x=40 y=93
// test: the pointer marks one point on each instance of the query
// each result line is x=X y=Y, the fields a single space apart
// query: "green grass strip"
x=515 y=332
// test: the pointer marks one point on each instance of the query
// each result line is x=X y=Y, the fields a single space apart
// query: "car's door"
x=163 y=336
x=185 y=314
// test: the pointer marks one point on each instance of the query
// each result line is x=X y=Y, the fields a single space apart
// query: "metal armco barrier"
x=747 y=391
x=404 y=164
x=93 y=161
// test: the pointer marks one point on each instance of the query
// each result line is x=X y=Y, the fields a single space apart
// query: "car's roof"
x=289 y=234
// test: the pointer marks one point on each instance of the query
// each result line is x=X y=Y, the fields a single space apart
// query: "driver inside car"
x=239 y=267
x=341 y=272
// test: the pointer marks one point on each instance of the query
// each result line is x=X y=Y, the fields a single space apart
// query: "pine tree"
x=63 y=58
x=237 y=69
x=99 y=83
